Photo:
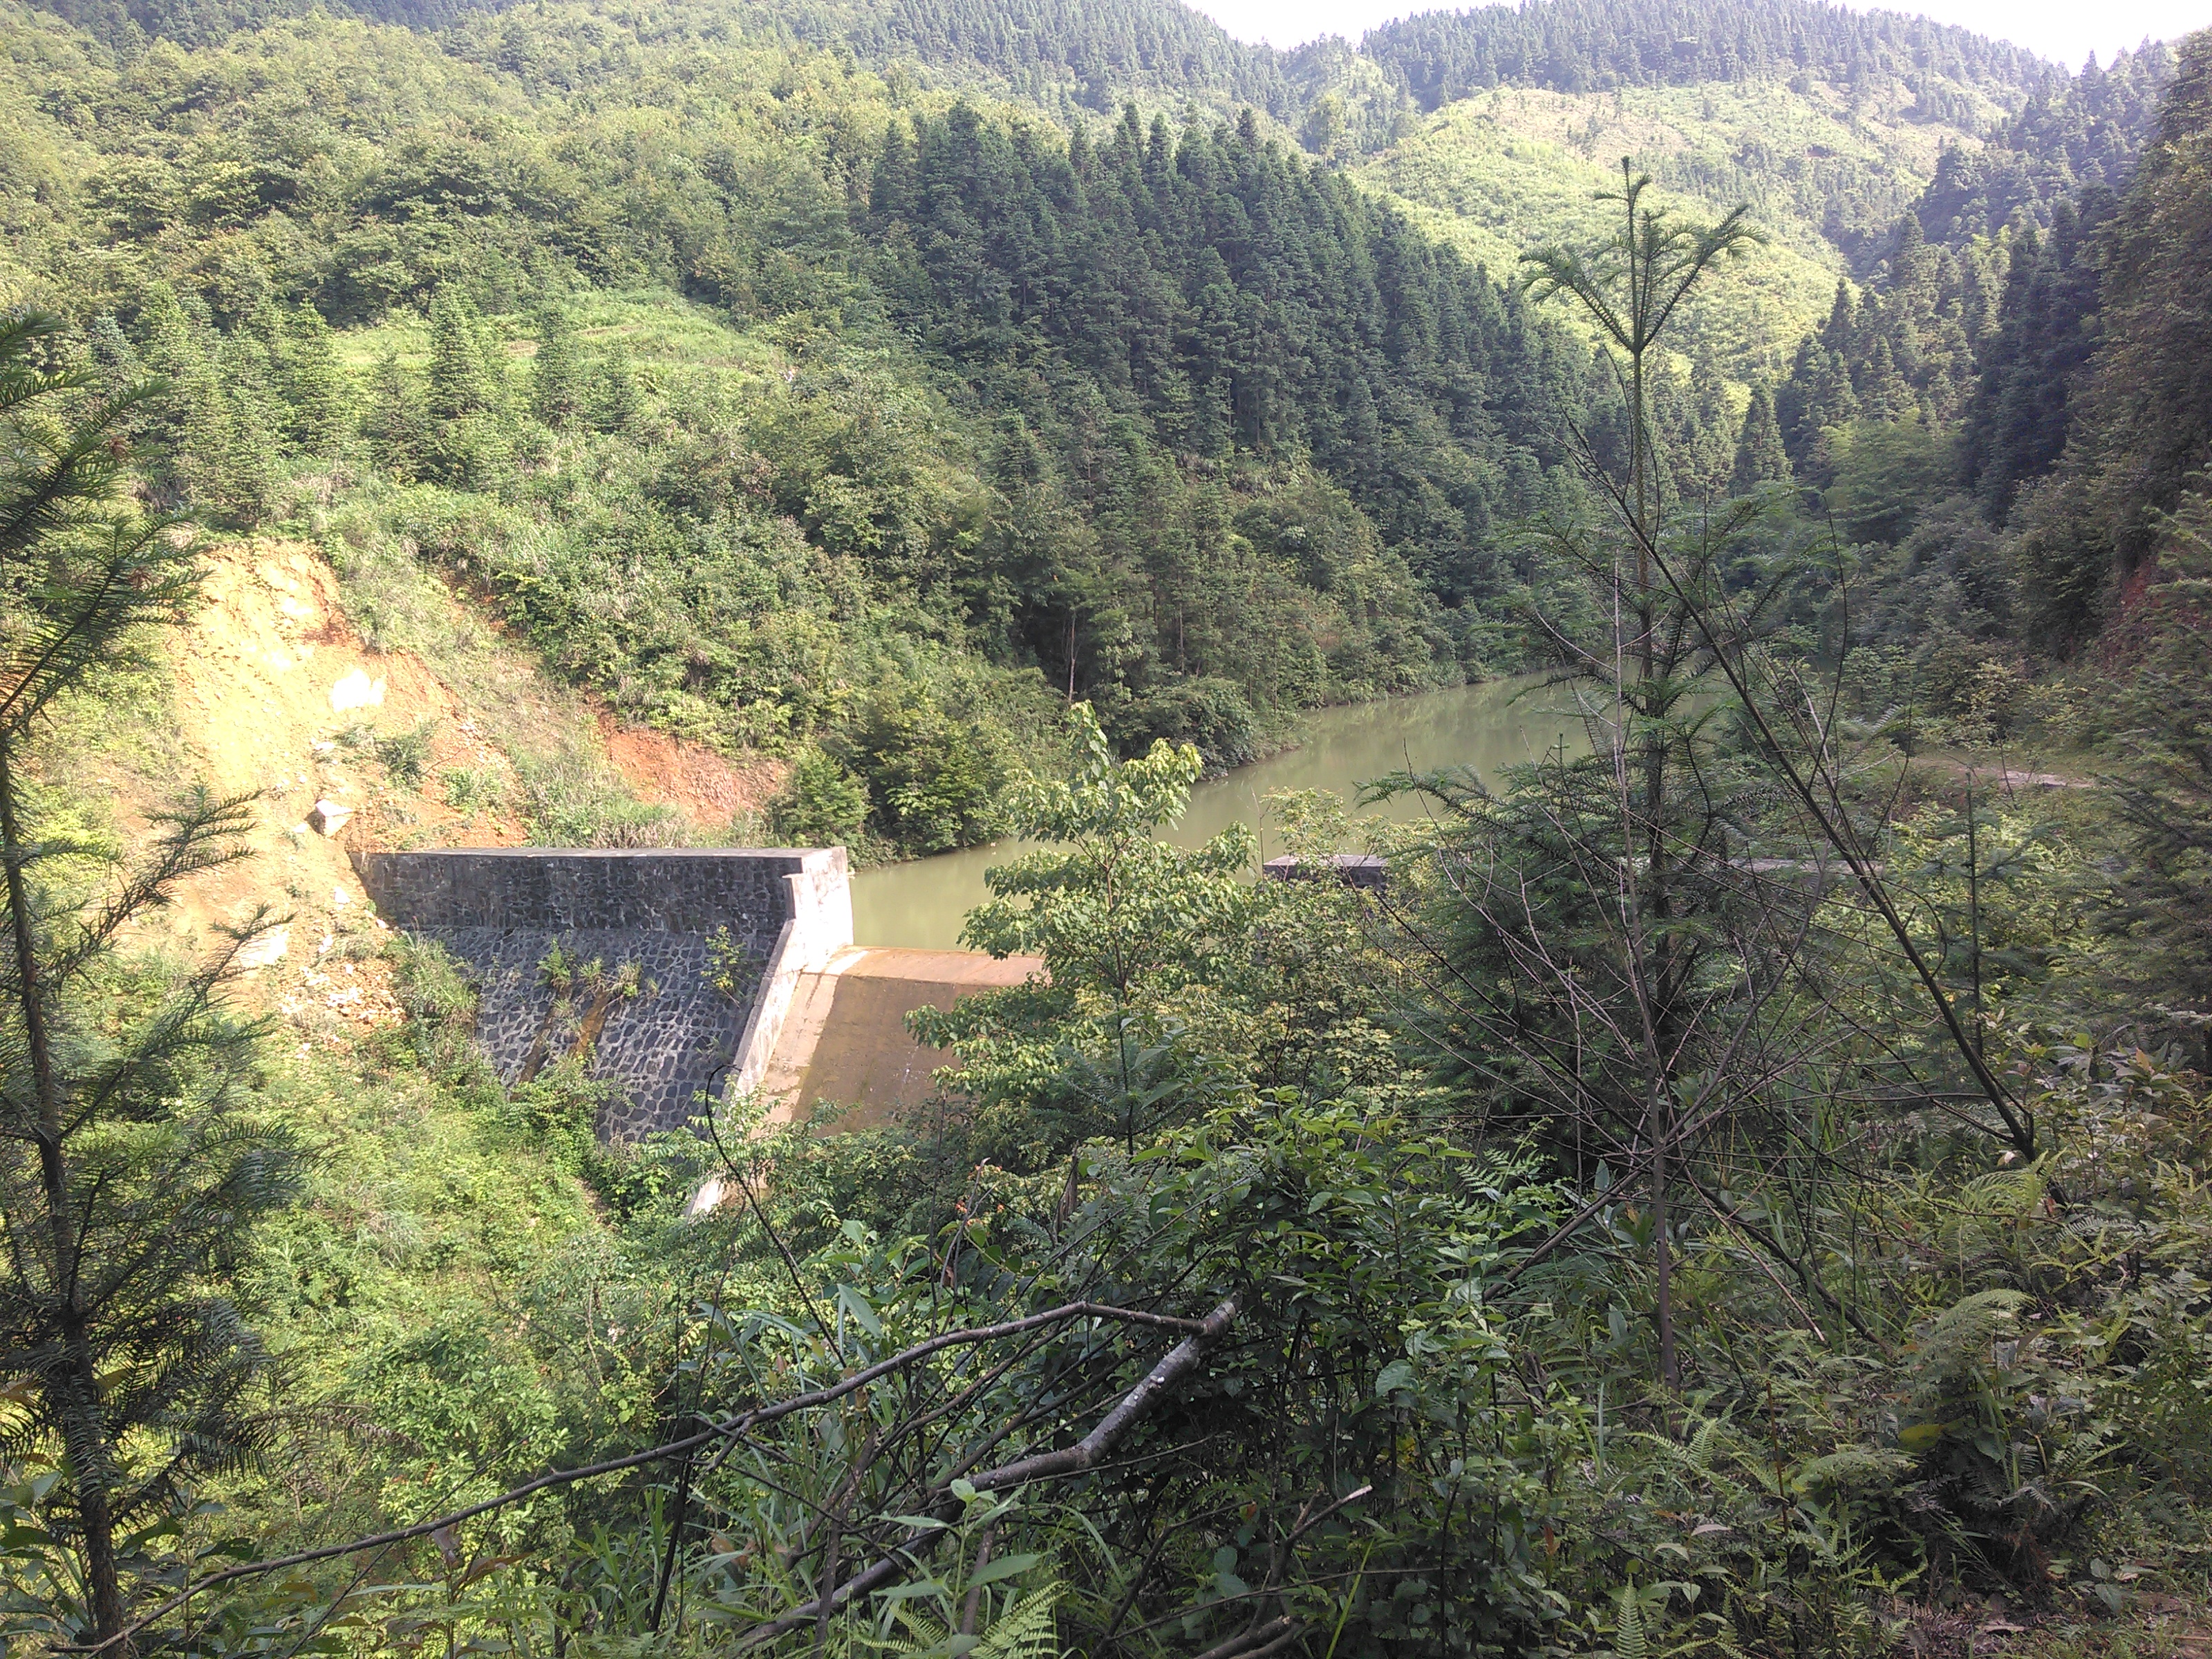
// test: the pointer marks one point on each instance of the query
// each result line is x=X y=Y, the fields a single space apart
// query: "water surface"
x=923 y=903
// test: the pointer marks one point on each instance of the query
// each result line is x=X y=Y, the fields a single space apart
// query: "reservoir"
x=921 y=904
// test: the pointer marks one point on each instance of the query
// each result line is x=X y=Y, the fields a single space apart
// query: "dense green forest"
x=1574 y=46
x=1190 y=427
x=1739 y=1189
x=926 y=433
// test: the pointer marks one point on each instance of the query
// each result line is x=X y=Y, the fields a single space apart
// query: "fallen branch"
x=727 y=1428
x=1084 y=1454
x=1263 y=1639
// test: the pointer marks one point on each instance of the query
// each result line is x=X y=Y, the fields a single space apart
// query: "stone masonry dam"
x=684 y=978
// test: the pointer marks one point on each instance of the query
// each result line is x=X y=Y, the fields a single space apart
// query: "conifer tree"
x=2148 y=406
x=467 y=439
x=1839 y=334
x=251 y=431
x=313 y=384
x=1759 y=456
x=1817 y=399
x=130 y=1179
x=184 y=424
x=116 y=360
x=1882 y=393
x=116 y=368
x=891 y=196
x=1631 y=289
x=391 y=424
x=557 y=381
x=458 y=385
x=1715 y=420
x=2161 y=716
x=617 y=405
x=1694 y=421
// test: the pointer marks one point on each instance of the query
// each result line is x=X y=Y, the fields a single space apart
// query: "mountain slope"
x=793 y=408
x=1830 y=122
x=1066 y=56
x=1062 y=53
x=1583 y=45
x=850 y=417
x=1503 y=170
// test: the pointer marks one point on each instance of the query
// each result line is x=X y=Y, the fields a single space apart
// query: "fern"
x=1628 y=1639
x=1703 y=1444
x=1988 y=1208
x=2002 y=1195
x=1025 y=1629
x=1855 y=1468
x=1956 y=1340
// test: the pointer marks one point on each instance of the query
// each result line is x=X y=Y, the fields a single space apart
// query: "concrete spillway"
x=845 y=1039
x=685 y=978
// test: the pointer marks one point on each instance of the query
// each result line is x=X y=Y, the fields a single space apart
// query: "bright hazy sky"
x=2068 y=30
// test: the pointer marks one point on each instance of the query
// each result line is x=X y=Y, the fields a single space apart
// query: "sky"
x=2068 y=30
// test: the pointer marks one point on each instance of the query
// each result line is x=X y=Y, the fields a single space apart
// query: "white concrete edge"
x=821 y=926
x=765 y=1024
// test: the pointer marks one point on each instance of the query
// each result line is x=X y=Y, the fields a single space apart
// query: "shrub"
x=1212 y=714
x=472 y=790
x=821 y=803
x=441 y=1010
x=934 y=779
x=567 y=802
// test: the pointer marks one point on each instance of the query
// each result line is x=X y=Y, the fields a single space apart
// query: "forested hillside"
x=1737 y=1189
x=1985 y=365
x=1587 y=46
x=1498 y=172
x=1830 y=123
x=975 y=398
x=1326 y=416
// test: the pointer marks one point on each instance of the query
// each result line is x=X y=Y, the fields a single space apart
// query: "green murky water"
x=923 y=903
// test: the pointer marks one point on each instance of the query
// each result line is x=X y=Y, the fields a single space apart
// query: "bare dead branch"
x=1205 y=1332
x=1085 y=1455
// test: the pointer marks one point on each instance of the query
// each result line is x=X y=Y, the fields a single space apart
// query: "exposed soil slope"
x=271 y=694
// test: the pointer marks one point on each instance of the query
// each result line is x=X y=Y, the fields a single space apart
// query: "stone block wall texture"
x=502 y=912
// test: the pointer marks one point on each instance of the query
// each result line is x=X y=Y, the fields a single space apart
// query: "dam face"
x=673 y=970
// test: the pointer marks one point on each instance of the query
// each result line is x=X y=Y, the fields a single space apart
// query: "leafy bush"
x=934 y=779
x=1212 y=715
x=474 y=790
x=821 y=804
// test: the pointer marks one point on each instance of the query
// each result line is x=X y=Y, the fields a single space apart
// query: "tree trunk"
x=1662 y=1257
x=1652 y=898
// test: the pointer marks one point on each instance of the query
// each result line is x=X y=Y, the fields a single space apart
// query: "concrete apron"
x=844 y=1040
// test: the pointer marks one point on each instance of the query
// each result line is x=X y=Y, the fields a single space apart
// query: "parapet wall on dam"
x=662 y=926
